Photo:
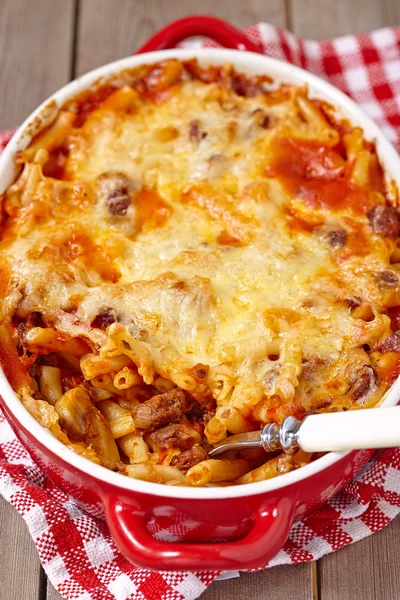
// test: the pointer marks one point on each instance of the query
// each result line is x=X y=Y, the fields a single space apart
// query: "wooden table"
x=45 y=43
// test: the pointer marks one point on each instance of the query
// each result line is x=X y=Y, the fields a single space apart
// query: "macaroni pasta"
x=189 y=253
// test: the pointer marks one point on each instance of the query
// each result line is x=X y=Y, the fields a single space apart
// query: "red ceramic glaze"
x=199 y=25
x=160 y=527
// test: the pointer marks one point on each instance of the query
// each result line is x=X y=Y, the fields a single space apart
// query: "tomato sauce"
x=316 y=174
x=55 y=165
x=394 y=314
x=4 y=277
x=80 y=246
x=88 y=101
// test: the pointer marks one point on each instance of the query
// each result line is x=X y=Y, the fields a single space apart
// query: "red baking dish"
x=179 y=528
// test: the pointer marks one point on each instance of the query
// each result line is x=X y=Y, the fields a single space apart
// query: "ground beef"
x=35 y=319
x=365 y=383
x=105 y=318
x=244 y=87
x=189 y=458
x=192 y=408
x=337 y=238
x=160 y=410
x=391 y=343
x=261 y=118
x=201 y=411
x=353 y=302
x=387 y=278
x=118 y=204
x=173 y=436
x=115 y=189
x=207 y=416
x=385 y=221
x=196 y=132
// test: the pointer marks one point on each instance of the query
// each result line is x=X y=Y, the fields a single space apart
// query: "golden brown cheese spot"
x=226 y=239
x=151 y=210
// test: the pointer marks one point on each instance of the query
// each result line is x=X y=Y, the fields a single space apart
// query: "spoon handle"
x=351 y=430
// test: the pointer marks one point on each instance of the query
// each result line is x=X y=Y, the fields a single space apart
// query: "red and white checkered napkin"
x=75 y=549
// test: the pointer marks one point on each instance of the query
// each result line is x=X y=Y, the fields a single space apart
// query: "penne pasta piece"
x=53 y=341
x=215 y=430
x=125 y=98
x=52 y=137
x=360 y=171
x=233 y=421
x=98 y=394
x=135 y=448
x=50 y=383
x=126 y=378
x=246 y=396
x=214 y=471
x=156 y=474
x=138 y=351
x=184 y=381
x=276 y=466
x=105 y=382
x=92 y=365
x=317 y=120
x=119 y=419
x=163 y=385
x=354 y=143
x=122 y=426
x=71 y=360
x=83 y=422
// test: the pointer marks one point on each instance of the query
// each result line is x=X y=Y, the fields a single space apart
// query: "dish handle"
x=199 y=25
x=269 y=533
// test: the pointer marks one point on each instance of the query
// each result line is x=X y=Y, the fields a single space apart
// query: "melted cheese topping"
x=218 y=227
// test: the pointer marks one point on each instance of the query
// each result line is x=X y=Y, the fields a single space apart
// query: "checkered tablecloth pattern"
x=75 y=548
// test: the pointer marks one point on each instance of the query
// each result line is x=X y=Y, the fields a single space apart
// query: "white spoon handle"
x=351 y=430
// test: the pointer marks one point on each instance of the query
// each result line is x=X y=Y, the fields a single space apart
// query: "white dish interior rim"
x=249 y=63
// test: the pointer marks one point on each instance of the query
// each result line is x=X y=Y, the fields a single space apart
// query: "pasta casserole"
x=187 y=253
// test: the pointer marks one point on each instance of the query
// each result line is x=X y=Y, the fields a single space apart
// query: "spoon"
x=351 y=430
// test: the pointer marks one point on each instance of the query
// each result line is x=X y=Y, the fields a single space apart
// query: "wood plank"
x=278 y=583
x=35 y=43
x=393 y=12
x=320 y=19
x=368 y=569
x=106 y=34
x=20 y=571
x=36 y=55
x=51 y=593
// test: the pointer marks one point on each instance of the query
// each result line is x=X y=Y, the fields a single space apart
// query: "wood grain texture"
x=20 y=571
x=320 y=19
x=106 y=34
x=368 y=569
x=278 y=583
x=393 y=12
x=35 y=51
x=51 y=593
